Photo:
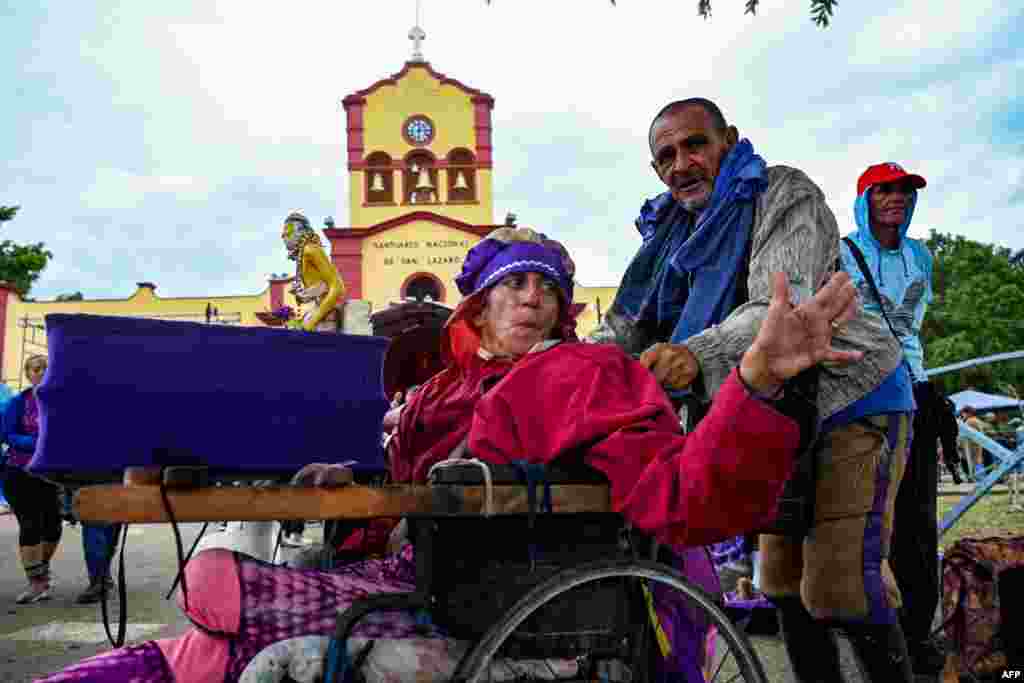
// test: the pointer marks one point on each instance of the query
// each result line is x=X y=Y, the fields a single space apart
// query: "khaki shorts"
x=841 y=570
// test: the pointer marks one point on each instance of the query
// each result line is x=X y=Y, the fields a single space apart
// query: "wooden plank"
x=142 y=504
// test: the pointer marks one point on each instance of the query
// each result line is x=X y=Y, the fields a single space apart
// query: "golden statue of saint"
x=317 y=283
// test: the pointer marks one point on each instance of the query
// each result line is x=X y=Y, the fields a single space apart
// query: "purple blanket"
x=124 y=392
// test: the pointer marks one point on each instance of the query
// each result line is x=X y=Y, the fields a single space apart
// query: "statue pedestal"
x=356 y=317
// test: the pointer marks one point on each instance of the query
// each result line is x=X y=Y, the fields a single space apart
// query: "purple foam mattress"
x=122 y=392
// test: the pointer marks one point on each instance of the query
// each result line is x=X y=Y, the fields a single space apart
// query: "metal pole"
x=968 y=501
x=1009 y=461
x=1012 y=355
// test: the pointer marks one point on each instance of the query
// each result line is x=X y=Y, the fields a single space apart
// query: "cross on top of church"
x=417 y=35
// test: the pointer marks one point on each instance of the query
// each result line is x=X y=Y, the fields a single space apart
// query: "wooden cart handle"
x=142 y=504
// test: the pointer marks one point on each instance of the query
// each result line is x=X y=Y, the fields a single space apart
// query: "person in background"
x=992 y=420
x=948 y=431
x=1002 y=431
x=99 y=543
x=975 y=453
x=893 y=274
x=5 y=396
x=35 y=501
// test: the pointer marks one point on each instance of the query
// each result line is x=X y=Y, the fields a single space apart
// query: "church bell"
x=424 y=180
x=377 y=184
x=460 y=181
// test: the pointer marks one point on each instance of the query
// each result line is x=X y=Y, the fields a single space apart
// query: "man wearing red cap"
x=901 y=269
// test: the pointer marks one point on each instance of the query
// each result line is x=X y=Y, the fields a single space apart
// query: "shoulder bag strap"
x=859 y=257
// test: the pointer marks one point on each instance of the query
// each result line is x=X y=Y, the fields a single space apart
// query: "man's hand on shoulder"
x=673 y=365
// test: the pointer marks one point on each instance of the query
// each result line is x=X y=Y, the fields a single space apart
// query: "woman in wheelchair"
x=519 y=385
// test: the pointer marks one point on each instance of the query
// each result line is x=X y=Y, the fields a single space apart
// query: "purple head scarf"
x=493 y=259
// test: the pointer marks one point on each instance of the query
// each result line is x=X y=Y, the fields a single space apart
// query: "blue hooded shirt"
x=903 y=276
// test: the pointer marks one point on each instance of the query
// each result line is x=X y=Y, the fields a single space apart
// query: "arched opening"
x=461 y=176
x=419 y=179
x=423 y=287
x=380 y=184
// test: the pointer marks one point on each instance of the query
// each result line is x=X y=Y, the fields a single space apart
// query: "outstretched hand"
x=792 y=339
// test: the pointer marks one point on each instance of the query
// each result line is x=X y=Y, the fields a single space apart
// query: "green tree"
x=74 y=296
x=978 y=311
x=821 y=10
x=20 y=264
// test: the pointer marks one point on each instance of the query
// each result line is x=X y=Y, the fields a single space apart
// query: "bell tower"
x=419 y=184
x=419 y=141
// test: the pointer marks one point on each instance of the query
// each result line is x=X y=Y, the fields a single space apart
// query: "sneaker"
x=94 y=593
x=34 y=593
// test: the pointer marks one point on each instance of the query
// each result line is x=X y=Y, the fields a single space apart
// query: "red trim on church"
x=394 y=78
x=401 y=165
x=354 y=109
x=358 y=233
x=482 y=126
x=347 y=257
x=277 y=286
x=355 y=104
x=347 y=244
x=6 y=290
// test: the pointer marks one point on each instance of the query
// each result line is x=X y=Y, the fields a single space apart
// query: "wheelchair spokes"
x=720 y=669
x=500 y=652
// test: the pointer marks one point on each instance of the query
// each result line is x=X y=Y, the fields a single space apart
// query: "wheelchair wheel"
x=488 y=660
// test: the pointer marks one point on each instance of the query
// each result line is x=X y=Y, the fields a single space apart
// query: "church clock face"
x=418 y=130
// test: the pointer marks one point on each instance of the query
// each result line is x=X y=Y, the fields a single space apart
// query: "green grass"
x=990 y=516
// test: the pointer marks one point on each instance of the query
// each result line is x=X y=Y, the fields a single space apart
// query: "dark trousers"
x=99 y=541
x=35 y=503
x=915 y=537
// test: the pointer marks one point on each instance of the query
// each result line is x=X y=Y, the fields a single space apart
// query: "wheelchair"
x=531 y=586
x=551 y=596
x=523 y=569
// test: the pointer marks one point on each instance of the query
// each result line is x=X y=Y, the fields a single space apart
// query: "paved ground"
x=45 y=637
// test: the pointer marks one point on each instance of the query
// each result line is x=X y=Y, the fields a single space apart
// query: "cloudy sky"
x=145 y=143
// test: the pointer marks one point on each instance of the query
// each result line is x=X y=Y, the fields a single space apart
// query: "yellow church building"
x=420 y=174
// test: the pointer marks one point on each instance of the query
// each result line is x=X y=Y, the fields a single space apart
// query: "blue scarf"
x=684 y=278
